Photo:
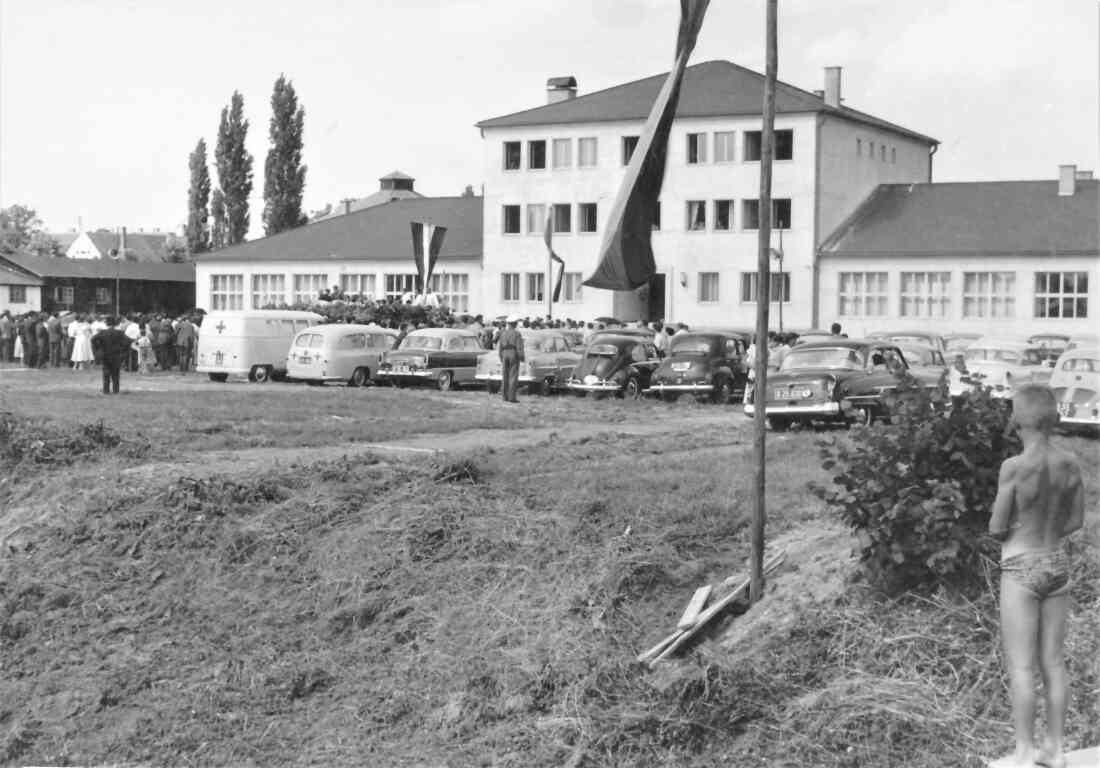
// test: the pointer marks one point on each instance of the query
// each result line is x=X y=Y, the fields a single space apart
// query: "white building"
x=569 y=156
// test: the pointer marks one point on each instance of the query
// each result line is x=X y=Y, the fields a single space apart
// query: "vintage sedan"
x=927 y=338
x=1076 y=385
x=445 y=357
x=1077 y=340
x=338 y=352
x=701 y=363
x=925 y=363
x=1051 y=345
x=956 y=343
x=1001 y=364
x=615 y=365
x=839 y=380
x=548 y=361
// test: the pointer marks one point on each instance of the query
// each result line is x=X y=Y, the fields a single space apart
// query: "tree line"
x=219 y=216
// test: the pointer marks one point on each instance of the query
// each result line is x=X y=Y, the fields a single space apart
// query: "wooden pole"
x=763 y=300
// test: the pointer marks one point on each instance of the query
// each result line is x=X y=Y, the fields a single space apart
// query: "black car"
x=839 y=380
x=615 y=364
x=709 y=363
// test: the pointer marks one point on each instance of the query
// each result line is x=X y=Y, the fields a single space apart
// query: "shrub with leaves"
x=917 y=490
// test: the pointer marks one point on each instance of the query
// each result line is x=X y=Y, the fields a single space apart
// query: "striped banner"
x=427 y=242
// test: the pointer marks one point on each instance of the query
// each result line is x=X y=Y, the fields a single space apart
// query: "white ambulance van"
x=251 y=343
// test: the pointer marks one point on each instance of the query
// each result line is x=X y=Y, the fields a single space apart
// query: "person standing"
x=81 y=332
x=41 y=341
x=133 y=333
x=111 y=347
x=185 y=344
x=66 y=321
x=510 y=349
x=164 y=344
x=53 y=333
x=6 y=326
x=153 y=328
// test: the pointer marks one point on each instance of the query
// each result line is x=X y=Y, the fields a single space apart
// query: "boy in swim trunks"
x=1040 y=501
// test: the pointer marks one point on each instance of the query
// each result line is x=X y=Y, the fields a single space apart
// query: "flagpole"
x=763 y=300
x=548 y=289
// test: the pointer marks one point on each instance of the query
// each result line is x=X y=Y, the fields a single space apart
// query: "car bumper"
x=417 y=374
x=222 y=369
x=820 y=410
x=598 y=386
x=497 y=377
x=663 y=388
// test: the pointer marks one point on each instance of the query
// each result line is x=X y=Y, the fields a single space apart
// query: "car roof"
x=447 y=332
x=1078 y=352
x=354 y=327
x=838 y=342
x=618 y=339
x=890 y=334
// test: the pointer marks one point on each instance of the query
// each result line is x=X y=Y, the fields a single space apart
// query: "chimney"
x=832 y=86
x=347 y=201
x=561 y=89
x=1067 y=180
x=1084 y=175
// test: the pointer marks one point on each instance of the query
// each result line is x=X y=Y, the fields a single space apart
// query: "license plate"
x=402 y=369
x=681 y=366
x=784 y=394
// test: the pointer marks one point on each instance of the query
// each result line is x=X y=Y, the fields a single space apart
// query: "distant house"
x=45 y=283
x=393 y=186
x=140 y=246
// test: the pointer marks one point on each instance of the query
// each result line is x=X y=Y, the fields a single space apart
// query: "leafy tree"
x=284 y=174
x=19 y=227
x=198 y=197
x=218 y=224
x=234 y=163
x=176 y=250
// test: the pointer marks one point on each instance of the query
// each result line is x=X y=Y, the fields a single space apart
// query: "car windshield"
x=421 y=342
x=699 y=345
x=603 y=350
x=822 y=357
x=1013 y=356
x=917 y=355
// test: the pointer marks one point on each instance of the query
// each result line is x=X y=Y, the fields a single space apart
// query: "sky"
x=102 y=101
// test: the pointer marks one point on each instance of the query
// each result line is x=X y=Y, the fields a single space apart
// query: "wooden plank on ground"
x=694 y=607
x=647 y=655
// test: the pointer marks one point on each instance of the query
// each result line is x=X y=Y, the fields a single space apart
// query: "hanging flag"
x=427 y=242
x=626 y=253
x=553 y=256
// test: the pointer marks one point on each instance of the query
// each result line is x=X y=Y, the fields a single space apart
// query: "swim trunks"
x=1044 y=573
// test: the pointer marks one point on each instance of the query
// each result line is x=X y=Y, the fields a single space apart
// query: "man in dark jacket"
x=185 y=344
x=53 y=331
x=111 y=348
x=510 y=349
x=30 y=345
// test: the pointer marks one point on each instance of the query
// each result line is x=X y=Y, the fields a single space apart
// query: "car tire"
x=723 y=391
x=260 y=374
x=221 y=378
x=779 y=423
x=315 y=383
x=494 y=387
x=359 y=377
x=445 y=381
x=546 y=387
x=632 y=389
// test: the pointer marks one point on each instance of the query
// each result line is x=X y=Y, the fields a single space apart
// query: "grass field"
x=479 y=607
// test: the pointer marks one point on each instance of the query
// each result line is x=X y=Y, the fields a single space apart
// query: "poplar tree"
x=218 y=223
x=284 y=174
x=198 y=198
x=234 y=169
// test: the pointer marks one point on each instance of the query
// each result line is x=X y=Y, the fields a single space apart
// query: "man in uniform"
x=510 y=349
x=185 y=342
x=111 y=348
x=53 y=334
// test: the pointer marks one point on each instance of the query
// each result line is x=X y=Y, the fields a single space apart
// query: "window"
x=657 y=216
x=723 y=214
x=17 y=294
x=562 y=151
x=586 y=215
x=696 y=215
x=1061 y=294
x=536 y=283
x=63 y=294
x=893 y=155
x=989 y=294
x=536 y=219
x=871 y=149
x=750 y=214
x=536 y=155
x=925 y=294
x=571 y=286
x=397 y=285
x=882 y=152
x=862 y=294
x=696 y=148
x=587 y=150
x=779 y=284
x=453 y=290
x=784 y=145
x=781 y=214
x=226 y=292
x=358 y=285
x=708 y=287
x=307 y=287
x=268 y=290
x=512 y=152
x=102 y=295
x=509 y=286
x=859 y=147
x=510 y=218
x=629 y=143
x=723 y=146
x=563 y=217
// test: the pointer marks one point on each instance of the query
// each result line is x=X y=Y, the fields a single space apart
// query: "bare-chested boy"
x=1040 y=501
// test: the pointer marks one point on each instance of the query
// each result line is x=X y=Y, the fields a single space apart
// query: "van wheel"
x=259 y=374
x=359 y=377
x=218 y=377
x=633 y=389
x=445 y=381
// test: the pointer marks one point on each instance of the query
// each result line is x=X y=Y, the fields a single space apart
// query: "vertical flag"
x=626 y=254
x=553 y=256
x=427 y=242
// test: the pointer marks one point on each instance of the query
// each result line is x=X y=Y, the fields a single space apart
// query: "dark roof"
x=562 y=82
x=972 y=218
x=710 y=89
x=374 y=234
x=53 y=266
x=381 y=197
x=144 y=246
x=11 y=276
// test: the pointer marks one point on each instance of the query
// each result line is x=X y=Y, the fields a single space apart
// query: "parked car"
x=927 y=338
x=646 y=334
x=1051 y=345
x=1090 y=340
x=839 y=380
x=549 y=360
x=338 y=352
x=615 y=364
x=1076 y=385
x=709 y=363
x=956 y=343
x=925 y=363
x=446 y=357
x=250 y=343
x=1001 y=364
x=575 y=339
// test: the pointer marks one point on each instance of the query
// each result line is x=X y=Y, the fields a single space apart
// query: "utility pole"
x=118 y=264
x=763 y=300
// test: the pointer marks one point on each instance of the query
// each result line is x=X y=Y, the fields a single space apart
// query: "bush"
x=366 y=311
x=917 y=490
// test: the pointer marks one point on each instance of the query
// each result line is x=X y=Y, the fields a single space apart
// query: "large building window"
x=778 y=282
x=513 y=151
x=536 y=155
x=784 y=145
x=226 y=292
x=586 y=217
x=362 y=284
x=536 y=218
x=629 y=144
x=696 y=215
x=509 y=216
x=571 y=286
x=563 y=217
x=1061 y=294
x=925 y=294
x=708 y=287
x=17 y=294
x=781 y=214
x=561 y=151
x=723 y=214
x=696 y=148
x=587 y=152
x=398 y=284
x=509 y=286
x=989 y=294
x=102 y=295
x=723 y=146
x=536 y=285
x=268 y=290
x=308 y=287
x=453 y=291
x=63 y=294
x=863 y=294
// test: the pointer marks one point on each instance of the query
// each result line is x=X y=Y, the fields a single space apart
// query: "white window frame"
x=567 y=210
x=536 y=218
x=725 y=146
x=17 y=294
x=535 y=284
x=509 y=287
x=308 y=286
x=592 y=144
x=633 y=140
x=504 y=156
x=729 y=215
x=709 y=288
x=530 y=155
x=863 y=294
x=989 y=295
x=695 y=216
x=268 y=288
x=453 y=290
x=581 y=207
x=397 y=284
x=226 y=291
x=64 y=294
x=698 y=143
x=925 y=294
x=504 y=219
x=359 y=284
x=780 y=283
x=571 y=286
x=1044 y=296
x=564 y=157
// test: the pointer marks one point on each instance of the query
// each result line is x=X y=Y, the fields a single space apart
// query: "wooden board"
x=694 y=607
x=1081 y=758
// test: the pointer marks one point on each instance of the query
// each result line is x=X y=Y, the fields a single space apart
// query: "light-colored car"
x=446 y=357
x=957 y=343
x=250 y=343
x=1076 y=385
x=339 y=352
x=928 y=338
x=548 y=360
x=1091 y=340
x=923 y=358
x=1001 y=364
